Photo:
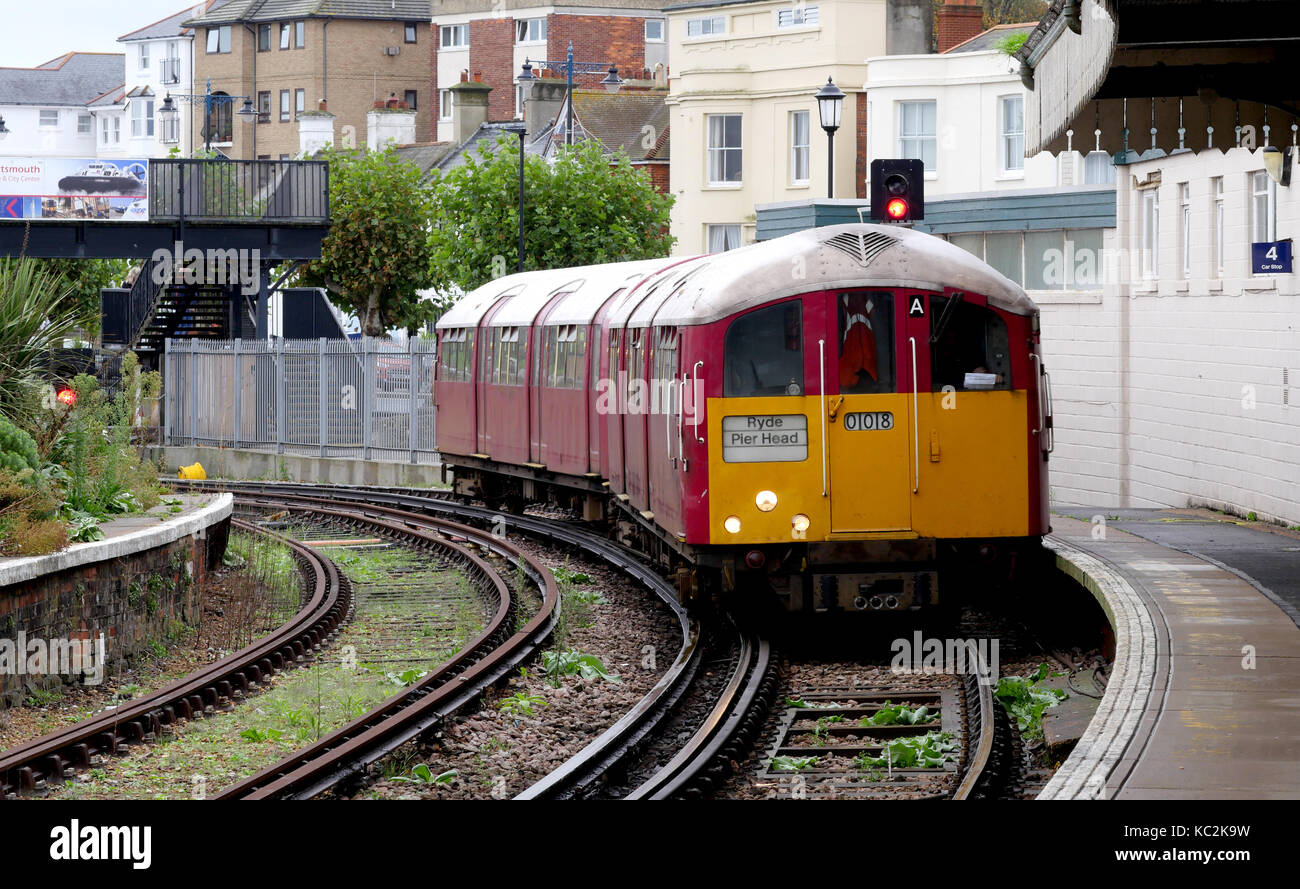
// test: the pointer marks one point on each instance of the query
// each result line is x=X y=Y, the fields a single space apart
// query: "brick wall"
x=658 y=175
x=435 y=109
x=618 y=40
x=860 y=133
x=958 y=21
x=492 y=54
x=132 y=600
x=357 y=72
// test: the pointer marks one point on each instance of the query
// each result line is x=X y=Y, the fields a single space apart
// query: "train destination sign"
x=765 y=438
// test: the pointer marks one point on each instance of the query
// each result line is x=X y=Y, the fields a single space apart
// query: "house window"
x=263 y=38
x=530 y=30
x=722 y=237
x=1013 y=134
x=103 y=129
x=916 y=133
x=799 y=149
x=286 y=33
x=144 y=57
x=49 y=118
x=444 y=105
x=171 y=65
x=1216 y=225
x=706 y=26
x=219 y=39
x=723 y=148
x=1098 y=169
x=796 y=17
x=141 y=118
x=410 y=97
x=519 y=99
x=410 y=31
x=264 y=106
x=1263 y=208
x=654 y=30
x=1150 y=232
x=117 y=129
x=454 y=36
x=1185 y=230
x=284 y=106
x=299 y=35
x=85 y=125
x=299 y=101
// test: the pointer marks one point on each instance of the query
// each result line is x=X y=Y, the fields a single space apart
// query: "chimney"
x=908 y=27
x=545 y=97
x=315 y=131
x=959 y=21
x=469 y=108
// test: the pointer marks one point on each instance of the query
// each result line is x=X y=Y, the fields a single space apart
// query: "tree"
x=582 y=208
x=85 y=277
x=375 y=258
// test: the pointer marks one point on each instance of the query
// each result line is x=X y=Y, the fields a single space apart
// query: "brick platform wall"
x=492 y=54
x=133 y=600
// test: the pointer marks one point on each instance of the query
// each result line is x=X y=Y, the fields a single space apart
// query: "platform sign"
x=765 y=438
x=1270 y=258
x=74 y=188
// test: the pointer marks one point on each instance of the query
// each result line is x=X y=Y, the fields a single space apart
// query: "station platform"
x=1209 y=660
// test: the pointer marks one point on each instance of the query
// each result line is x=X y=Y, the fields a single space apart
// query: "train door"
x=866 y=367
x=486 y=361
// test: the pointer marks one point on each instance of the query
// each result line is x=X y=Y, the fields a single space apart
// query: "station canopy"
x=1219 y=70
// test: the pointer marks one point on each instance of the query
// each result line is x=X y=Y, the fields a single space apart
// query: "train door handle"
x=834 y=408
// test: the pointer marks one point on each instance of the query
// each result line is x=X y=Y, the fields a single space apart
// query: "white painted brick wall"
x=1197 y=350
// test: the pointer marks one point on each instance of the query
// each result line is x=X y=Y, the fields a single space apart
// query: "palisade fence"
x=367 y=398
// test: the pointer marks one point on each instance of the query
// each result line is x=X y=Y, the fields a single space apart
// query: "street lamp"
x=519 y=129
x=830 y=104
x=168 y=111
x=612 y=82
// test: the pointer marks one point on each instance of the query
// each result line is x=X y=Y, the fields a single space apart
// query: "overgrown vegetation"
x=1026 y=699
x=899 y=714
x=928 y=751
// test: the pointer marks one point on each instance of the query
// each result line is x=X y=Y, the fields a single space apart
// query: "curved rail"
x=982 y=696
x=24 y=768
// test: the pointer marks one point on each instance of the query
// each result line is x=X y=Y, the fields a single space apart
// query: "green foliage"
x=1010 y=45
x=422 y=774
x=1026 y=700
x=571 y=662
x=85 y=278
x=521 y=703
x=794 y=763
x=822 y=731
x=580 y=209
x=928 y=751
x=899 y=714
x=17 y=449
x=405 y=678
x=375 y=258
x=38 y=312
x=253 y=735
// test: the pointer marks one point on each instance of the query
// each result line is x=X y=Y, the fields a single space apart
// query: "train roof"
x=704 y=289
x=831 y=257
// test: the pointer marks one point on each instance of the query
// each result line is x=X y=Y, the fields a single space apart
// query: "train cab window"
x=969 y=349
x=763 y=352
x=866 y=330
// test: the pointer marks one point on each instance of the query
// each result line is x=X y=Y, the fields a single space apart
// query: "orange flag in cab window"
x=858 y=351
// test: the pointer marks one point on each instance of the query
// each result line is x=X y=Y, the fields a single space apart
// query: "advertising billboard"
x=74 y=188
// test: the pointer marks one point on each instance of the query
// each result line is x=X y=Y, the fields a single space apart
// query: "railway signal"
x=897 y=190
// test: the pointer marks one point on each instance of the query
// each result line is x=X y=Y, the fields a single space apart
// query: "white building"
x=159 y=60
x=56 y=109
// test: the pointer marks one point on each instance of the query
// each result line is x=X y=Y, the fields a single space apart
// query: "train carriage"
x=836 y=417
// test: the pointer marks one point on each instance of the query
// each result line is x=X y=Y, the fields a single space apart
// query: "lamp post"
x=519 y=129
x=168 y=111
x=830 y=104
x=612 y=82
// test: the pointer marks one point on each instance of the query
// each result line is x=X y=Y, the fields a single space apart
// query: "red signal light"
x=896 y=208
x=67 y=395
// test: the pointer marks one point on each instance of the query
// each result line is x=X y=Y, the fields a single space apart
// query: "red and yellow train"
x=838 y=417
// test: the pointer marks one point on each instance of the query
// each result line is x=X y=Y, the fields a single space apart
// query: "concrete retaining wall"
x=260 y=466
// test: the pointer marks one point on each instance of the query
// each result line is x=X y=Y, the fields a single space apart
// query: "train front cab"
x=864 y=439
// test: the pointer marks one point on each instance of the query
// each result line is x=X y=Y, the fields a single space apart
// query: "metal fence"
x=368 y=398
x=199 y=190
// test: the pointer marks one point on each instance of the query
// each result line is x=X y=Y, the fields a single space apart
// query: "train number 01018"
x=869 y=421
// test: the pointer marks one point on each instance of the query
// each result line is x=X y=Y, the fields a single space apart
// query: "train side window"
x=763 y=352
x=866 y=331
x=595 y=356
x=969 y=348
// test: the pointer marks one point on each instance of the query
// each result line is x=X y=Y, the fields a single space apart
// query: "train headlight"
x=732 y=524
x=765 y=501
x=801 y=522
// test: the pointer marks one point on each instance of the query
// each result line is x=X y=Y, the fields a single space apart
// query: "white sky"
x=36 y=31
